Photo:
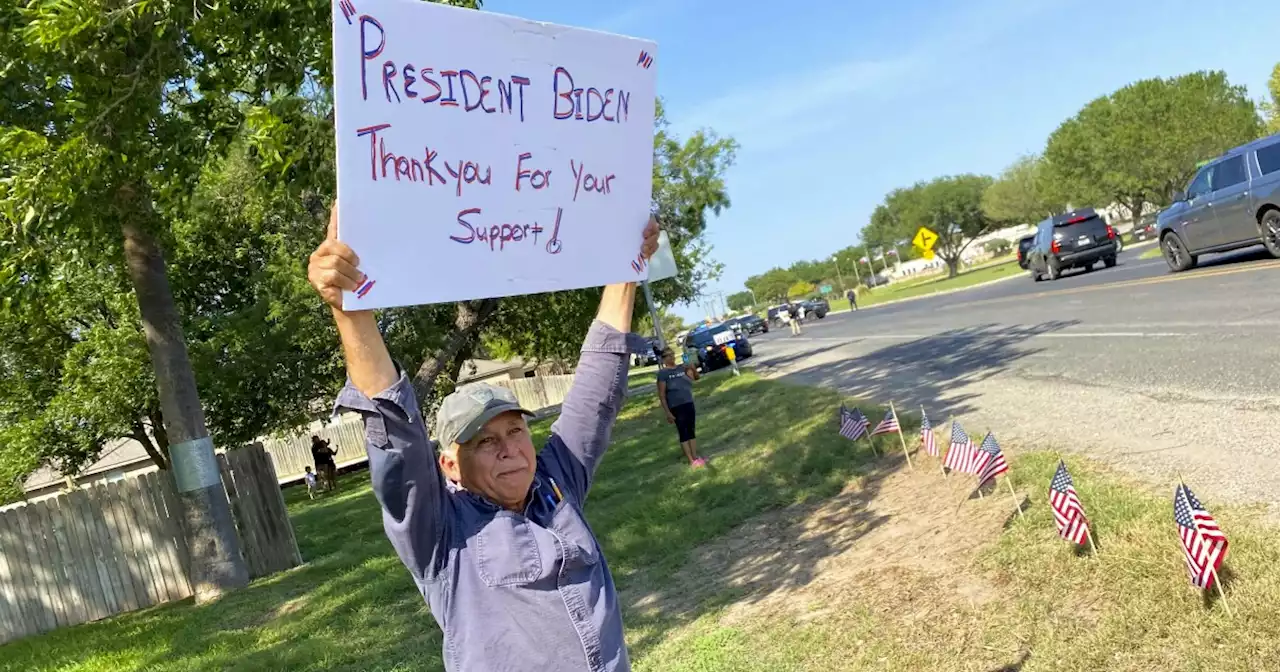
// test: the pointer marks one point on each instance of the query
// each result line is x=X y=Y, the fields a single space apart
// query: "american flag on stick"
x=1203 y=543
x=1068 y=513
x=889 y=424
x=960 y=456
x=853 y=424
x=926 y=434
x=989 y=461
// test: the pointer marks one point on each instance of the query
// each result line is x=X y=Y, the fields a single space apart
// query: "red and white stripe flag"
x=926 y=434
x=989 y=460
x=1068 y=513
x=1203 y=542
x=889 y=424
x=961 y=454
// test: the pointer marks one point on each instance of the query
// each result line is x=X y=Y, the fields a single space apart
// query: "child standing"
x=310 y=478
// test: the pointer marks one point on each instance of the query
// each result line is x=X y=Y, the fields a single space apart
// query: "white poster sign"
x=662 y=264
x=482 y=155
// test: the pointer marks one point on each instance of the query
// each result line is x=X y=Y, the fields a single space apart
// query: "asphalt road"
x=1158 y=373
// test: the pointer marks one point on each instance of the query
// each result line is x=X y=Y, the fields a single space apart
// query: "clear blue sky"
x=835 y=103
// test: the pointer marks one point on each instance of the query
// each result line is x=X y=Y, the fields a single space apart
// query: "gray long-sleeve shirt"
x=511 y=591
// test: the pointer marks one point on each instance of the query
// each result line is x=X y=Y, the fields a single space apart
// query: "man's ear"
x=449 y=464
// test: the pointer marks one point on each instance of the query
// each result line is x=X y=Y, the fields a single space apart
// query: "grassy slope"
x=353 y=607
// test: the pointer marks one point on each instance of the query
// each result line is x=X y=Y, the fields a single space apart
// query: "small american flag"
x=989 y=460
x=960 y=456
x=889 y=424
x=1068 y=514
x=926 y=434
x=853 y=424
x=1203 y=543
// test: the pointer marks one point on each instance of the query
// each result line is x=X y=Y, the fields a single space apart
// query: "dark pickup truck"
x=1077 y=239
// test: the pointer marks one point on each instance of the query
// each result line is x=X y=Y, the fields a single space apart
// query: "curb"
x=929 y=295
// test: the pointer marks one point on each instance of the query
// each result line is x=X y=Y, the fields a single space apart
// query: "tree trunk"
x=953 y=266
x=217 y=564
x=439 y=373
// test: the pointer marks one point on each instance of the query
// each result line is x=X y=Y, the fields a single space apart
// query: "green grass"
x=939 y=283
x=1129 y=609
x=1151 y=253
x=644 y=375
x=354 y=607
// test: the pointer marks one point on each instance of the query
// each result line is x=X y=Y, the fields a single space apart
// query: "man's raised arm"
x=406 y=476
x=581 y=434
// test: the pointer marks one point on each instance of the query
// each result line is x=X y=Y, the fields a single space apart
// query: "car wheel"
x=1270 y=226
x=1119 y=245
x=1035 y=276
x=1109 y=262
x=1176 y=254
x=1055 y=271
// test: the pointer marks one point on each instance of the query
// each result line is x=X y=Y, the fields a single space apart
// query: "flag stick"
x=871 y=443
x=1009 y=482
x=901 y=438
x=935 y=443
x=1217 y=583
x=1089 y=535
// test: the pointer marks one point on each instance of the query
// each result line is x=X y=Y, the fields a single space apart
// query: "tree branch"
x=438 y=374
x=157 y=456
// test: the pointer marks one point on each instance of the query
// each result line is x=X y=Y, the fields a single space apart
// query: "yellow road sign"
x=927 y=254
x=924 y=239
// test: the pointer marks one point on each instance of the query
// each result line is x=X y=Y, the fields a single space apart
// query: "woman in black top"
x=675 y=393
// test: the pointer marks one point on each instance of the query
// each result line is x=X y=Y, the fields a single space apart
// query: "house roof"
x=118 y=453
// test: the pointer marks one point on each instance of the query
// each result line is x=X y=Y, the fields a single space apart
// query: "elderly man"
x=493 y=534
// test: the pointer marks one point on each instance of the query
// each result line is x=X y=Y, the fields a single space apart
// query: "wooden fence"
x=539 y=392
x=113 y=548
x=290 y=454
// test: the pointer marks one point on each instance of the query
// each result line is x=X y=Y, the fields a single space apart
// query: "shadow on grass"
x=931 y=371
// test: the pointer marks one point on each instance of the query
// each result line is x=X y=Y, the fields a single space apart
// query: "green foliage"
x=1019 y=195
x=801 y=289
x=997 y=247
x=740 y=301
x=950 y=206
x=772 y=285
x=1273 y=106
x=1142 y=142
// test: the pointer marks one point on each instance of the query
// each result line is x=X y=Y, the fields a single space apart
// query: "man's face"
x=498 y=462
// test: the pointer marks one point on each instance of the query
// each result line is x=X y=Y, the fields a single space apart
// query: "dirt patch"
x=898 y=540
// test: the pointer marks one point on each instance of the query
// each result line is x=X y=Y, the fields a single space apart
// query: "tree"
x=1142 y=142
x=1273 y=106
x=950 y=206
x=740 y=301
x=1018 y=196
x=800 y=289
x=772 y=285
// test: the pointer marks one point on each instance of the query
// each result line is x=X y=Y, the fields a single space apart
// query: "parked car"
x=1145 y=229
x=1232 y=202
x=751 y=324
x=816 y=307
x=875 y=280
x=710 y=342
x=648 y=357
x=1024 y=244
x=773 y=316
x=1077 y=239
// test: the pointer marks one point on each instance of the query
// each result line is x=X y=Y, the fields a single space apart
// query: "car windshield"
x=1074 y=221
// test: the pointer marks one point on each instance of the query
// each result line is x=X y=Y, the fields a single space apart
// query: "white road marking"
x=1056 y=334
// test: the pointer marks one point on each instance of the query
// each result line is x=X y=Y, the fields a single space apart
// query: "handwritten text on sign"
x=482 y=155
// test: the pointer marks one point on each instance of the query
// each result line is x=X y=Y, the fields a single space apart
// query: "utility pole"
x=836 y=259
x=217 y=564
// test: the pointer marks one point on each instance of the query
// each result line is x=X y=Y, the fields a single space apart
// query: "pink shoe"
x=698 y=463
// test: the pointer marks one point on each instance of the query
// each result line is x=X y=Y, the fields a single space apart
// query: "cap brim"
x=489 y=413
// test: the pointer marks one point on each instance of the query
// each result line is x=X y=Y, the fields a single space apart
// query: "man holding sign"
x=493 y=534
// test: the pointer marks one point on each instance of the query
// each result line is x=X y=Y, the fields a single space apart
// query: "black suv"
x=1024 y=244
x=1078 y=239
x=752 y=324
x=710 y=342
x=816 y=307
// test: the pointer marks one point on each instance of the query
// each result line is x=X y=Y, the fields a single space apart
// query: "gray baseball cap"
x=466 y=411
